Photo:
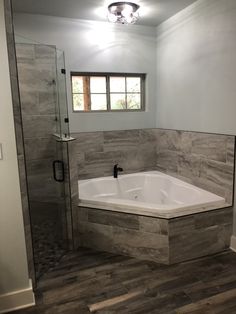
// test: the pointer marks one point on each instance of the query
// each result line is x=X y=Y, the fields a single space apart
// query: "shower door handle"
x=58 y=170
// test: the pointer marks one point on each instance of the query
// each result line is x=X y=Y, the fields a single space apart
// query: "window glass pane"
x=90 y=92
x=98 y=84
x=77 y=84
x=133 y=84
x=78 y=102
x=117 y=84
x=118 y=101
x=133 y=101
x=98 y=102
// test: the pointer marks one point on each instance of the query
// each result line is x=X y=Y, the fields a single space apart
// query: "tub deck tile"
x=148 y=224
x=113 y=218
x=160 y=240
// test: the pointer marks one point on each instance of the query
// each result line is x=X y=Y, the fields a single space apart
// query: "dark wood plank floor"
x=97 y=282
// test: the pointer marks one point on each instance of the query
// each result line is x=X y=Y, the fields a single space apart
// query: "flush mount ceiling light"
x=123 y=12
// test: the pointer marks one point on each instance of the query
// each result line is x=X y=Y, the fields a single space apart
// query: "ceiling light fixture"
x=123 y=12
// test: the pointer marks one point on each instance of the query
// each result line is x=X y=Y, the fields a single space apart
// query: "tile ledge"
x=139 y=211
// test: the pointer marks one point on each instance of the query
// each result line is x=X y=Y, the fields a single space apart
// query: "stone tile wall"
x=160 y=240
x=200 y=234
x=205 y=160
x=138 y=236
x=73 y=184
x=70 y=197
x=97 y=152
x=37 y=73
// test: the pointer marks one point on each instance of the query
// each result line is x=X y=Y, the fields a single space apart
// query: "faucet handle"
x=116 y=169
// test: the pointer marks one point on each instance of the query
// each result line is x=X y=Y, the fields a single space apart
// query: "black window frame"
x=142 y=77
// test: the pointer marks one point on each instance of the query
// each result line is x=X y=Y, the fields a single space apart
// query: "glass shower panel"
x=42 y=94
x=62 y=108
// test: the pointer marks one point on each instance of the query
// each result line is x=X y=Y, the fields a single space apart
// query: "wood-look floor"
x=97 y=282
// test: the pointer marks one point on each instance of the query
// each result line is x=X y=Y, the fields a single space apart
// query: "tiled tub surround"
x=97 y=152
x=164 y=241
x=202 y=159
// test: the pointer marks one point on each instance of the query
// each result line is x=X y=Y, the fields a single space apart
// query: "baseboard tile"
x=17 y=300
x=233 y=243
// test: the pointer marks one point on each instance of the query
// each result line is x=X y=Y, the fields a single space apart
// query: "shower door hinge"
x=63 y=71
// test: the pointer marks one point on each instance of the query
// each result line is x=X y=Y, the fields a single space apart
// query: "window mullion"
x=89 y=93
x=126 y=103
x=132 y=95
x=142 y=92
x=86 y=93
x=108 y=93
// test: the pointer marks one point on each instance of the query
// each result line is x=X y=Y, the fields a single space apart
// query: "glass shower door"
x=62 y=138
x=44 y=113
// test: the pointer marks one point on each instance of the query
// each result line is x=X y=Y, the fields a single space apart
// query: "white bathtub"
x=147 y=193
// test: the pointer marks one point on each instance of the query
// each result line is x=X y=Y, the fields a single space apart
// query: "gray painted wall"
x=196 y=68
x=13 y=260
x=99 y=47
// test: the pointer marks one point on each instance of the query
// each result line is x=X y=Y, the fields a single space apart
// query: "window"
x=107 y=92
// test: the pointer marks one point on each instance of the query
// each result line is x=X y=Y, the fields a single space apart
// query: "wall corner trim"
x=17 y=300
x=233 y=243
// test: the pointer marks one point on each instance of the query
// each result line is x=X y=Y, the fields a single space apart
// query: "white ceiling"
x=152 y=12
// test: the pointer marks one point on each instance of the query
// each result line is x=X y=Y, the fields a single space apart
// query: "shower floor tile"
x=47 y=246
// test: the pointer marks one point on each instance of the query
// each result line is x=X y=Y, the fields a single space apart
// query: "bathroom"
x=75 y=241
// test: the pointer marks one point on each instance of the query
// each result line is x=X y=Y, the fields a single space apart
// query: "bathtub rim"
x=151 y=212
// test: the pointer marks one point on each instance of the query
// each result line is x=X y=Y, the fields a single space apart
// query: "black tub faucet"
x=116 y=169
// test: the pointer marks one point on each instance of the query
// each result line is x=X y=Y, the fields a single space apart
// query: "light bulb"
x=123 y=12
x=112 y=18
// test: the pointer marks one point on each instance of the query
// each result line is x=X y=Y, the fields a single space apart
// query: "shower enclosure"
x=42 y=85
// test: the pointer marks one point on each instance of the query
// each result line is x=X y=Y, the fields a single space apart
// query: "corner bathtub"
x=147 y=193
